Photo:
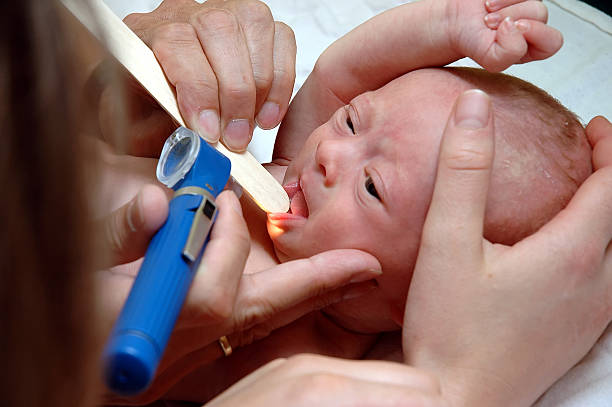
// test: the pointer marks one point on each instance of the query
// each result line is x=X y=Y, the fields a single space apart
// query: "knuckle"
x=284 y=75
x=134 y=19
x=257 y=11
x=242 y=338
x=203 y=86
x=215 y=20
x=466 y=158
x=219 y=305
x=255 y=310
x=263 y=78
x=322 y=301
x=169 y=36
x=238 y=94
x=114 y=233
x=318 y=284
x=283 y=29
x=541 y=11
x=248 y=336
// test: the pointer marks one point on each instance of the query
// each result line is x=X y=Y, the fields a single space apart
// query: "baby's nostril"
x=322 y=168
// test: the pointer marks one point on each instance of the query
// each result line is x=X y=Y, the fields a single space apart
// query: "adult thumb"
x=456 y=213
x=128 y=230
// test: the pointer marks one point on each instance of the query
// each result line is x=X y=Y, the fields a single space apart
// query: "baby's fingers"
x=494 y=5
x=528 y=10
x=509 y=47
x=543 y=41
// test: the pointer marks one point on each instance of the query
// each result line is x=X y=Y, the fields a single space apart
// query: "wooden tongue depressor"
x=140 y=61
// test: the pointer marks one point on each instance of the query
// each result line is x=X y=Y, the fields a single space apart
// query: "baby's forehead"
x=403 y=122
x=419 y=91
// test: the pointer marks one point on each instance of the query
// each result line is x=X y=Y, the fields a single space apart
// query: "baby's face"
x=363 y=180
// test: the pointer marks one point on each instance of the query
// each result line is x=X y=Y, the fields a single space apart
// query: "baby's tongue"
x=298 y=205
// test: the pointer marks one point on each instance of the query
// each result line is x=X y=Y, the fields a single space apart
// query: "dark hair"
x=46 y=287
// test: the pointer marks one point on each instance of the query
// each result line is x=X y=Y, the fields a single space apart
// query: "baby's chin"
x=284 y=230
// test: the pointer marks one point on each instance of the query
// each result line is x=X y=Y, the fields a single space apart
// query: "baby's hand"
x=499 y=33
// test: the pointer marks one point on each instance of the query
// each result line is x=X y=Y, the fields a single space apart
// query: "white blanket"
x=579 y=76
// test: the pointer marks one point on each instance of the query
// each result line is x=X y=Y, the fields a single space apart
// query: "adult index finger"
x=456 y=213
x=301 y=283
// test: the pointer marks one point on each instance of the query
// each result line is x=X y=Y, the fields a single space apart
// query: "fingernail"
x=508 y=24
x=235 y=187
x=233 y=201
x=492 y=20
x=268 y=115
x=134 y=214
x=365 y=275
x=523 y=26
x=208 y=125
x=237 y=134
x=491 y=4
x=359 y=290
x=472 y=111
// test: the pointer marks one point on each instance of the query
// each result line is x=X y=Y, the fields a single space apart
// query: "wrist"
x=477 y=388
x=443 y=23
x=473 y=386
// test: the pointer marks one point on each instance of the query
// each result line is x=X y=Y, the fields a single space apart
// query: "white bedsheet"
x=580 y=76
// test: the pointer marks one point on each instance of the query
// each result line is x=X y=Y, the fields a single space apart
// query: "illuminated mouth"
x=298 y=204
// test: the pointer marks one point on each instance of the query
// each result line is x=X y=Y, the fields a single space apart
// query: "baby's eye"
x=349 y=123
x=371 y=188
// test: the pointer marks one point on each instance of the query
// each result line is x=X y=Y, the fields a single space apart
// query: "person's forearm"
x=472 y=388
x=390 y=44
x=400 y=40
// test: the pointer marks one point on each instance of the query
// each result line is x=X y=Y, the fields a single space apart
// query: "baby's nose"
x=332 y=157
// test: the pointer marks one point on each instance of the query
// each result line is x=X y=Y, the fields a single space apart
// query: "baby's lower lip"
x=286 y=220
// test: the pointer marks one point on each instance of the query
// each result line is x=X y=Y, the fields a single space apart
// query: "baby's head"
x=364 y=179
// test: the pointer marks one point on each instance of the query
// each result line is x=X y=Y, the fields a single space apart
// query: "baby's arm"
x=416 y=35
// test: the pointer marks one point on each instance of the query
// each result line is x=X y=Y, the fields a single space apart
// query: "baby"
x=363 y=179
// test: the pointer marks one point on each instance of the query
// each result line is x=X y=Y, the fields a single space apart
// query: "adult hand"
x=599 y=133
x=232 y=65
x=309 y=380
x=499 y=324
x=223 y=301
x=501 y=33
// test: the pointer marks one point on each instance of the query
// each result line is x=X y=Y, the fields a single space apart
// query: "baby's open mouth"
x=298 y=205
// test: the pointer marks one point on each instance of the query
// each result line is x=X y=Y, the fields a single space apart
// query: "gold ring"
x=225 y=345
